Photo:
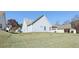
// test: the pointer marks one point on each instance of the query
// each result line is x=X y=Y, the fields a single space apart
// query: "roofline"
x=36 y=20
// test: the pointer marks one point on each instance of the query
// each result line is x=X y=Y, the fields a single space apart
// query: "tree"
x=14 y=24
x=67 y=22
x=75 y=23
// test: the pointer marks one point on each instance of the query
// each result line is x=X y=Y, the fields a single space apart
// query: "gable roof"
x=36 y=20
x=64 y=26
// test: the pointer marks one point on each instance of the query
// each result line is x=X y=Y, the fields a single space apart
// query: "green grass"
x=38 y=40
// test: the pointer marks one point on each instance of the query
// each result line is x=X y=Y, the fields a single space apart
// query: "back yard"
x=38 y=40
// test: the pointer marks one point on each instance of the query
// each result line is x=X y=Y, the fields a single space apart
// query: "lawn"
x=38 y=40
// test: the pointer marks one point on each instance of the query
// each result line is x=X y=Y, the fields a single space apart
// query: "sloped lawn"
x=38 y=40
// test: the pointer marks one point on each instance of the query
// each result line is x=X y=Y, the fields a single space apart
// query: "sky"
x=53 y=16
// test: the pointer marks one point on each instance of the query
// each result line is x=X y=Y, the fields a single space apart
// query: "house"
x=2 y=20
x=66 y=28
x=41 y=24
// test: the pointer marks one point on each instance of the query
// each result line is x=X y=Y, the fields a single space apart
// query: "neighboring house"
x=66 y=28
x=41 y=24
x=2 y=20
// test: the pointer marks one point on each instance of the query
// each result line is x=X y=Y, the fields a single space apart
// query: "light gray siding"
x=2 y=20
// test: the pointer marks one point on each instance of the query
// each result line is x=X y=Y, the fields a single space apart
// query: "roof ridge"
x=36 y=20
